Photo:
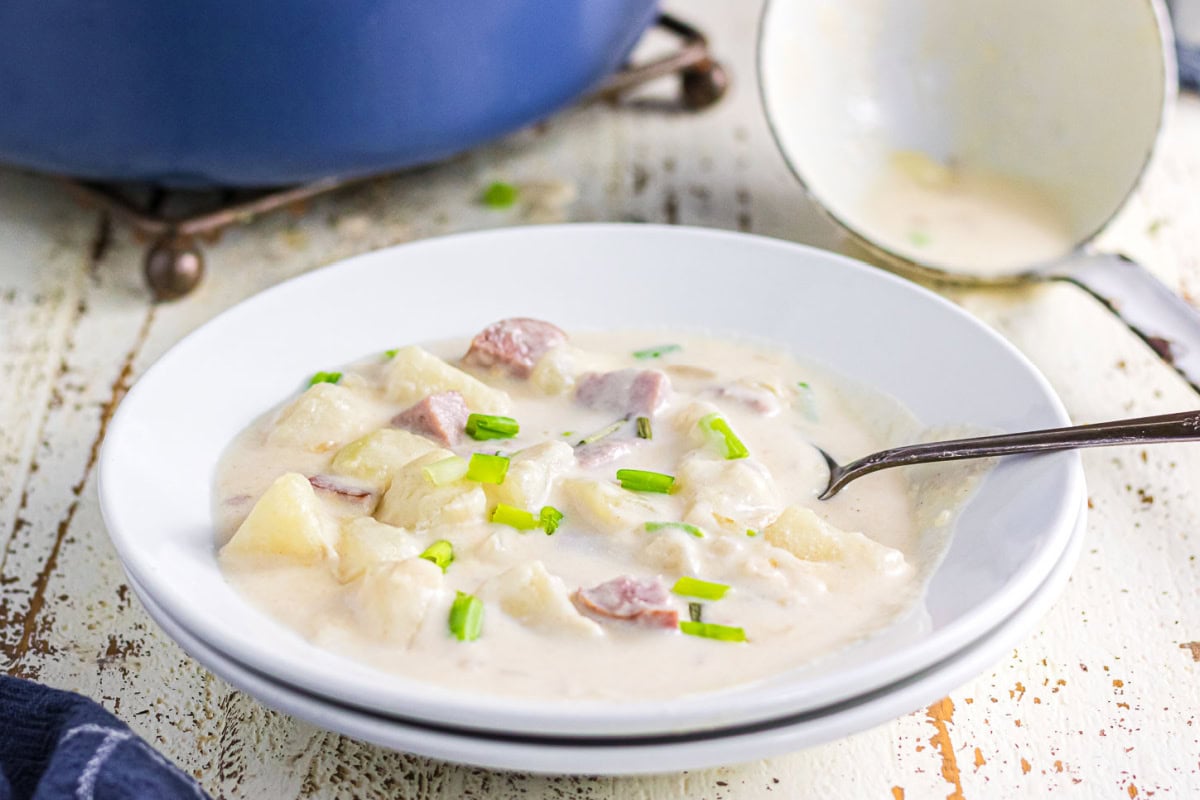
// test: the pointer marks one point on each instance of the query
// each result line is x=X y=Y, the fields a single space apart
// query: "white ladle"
x=1005 y=134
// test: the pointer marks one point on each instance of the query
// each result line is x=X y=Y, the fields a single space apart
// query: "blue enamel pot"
x=260 y=92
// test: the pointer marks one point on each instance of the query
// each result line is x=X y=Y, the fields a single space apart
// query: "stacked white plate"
x=1013 y=546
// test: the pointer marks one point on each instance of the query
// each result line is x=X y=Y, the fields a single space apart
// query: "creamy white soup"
x=964 y=219
x=602 y=515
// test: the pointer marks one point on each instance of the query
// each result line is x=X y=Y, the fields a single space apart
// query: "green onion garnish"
x=481 y=427
x=655 y=352
x=640 y=480
x=487 y=469
x=694 y=587
x=683 y=526
x=448 y=470
x=919 y=238
x=808 y=401
x=695 y=610
x=390 y=354
x=710 y=630
x=500 y=195
x=751 y=532
x=643 y=428
x=324 y=377
x=466 y=617
x=607 y=430
x=549 y=518
x=441 y=553
x=720 y=434
x=514 y=517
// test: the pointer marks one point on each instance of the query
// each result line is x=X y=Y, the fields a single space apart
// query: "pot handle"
x=1163 y=319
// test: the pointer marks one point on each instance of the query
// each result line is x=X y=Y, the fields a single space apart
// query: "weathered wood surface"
x=1101 y=701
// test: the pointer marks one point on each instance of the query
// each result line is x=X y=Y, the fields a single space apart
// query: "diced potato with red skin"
x=531 y=475
x=413 y=502
x=414 y=373
x=322 y=418
x=394 y=598
x=802 y=533
x=374 y=458
x=288 y=521
x=366 y=543
x=538 y=600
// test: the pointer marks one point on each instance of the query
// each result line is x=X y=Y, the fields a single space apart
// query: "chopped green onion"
x=448 y=470
x=643 y=428
x=500 y=195
x=390 y=354
x=683 y=526
x=487 y=469
x=568 y=433
x=640 y=480
x=607 y=430
x=711 y=630
x=808 y=401
x=694 y=587
x=656 y=352
x=720 y=434
x=481 y=427
x=514 y=517
x=466 y=617
x=549 y=518
x=324 y=377
x=695 y=610
x=751 y=532
x=919 y=238
x=441 y=553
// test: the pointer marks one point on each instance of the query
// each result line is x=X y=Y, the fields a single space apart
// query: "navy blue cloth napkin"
x=56 y=744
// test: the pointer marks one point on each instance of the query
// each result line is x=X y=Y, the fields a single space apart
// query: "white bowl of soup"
x=561 y=480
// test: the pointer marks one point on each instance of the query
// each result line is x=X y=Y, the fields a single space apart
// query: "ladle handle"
x=1163 y=319
x=1177 y=427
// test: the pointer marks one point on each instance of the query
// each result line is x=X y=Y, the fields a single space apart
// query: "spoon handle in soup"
x=1163 y=319
x=1178 y=427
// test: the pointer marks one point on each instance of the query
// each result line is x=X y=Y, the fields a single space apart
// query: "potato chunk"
x=610 y=509
x=415 y=503
x=673 y=552
x=414 y=373
x=802 y=533
x=287 y=521
x=394 y=598
x=366 y=542
x=734 y=494
x=531 y=475
x=554 y=373
x=374 y=458
x=323 y=417
x=538 y=600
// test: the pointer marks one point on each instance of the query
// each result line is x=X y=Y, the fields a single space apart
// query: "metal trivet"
x=174 y=263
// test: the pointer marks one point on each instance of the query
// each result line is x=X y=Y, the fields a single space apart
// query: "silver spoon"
x=1179 y=427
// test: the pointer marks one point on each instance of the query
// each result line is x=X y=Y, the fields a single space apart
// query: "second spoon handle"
x=1178 y=427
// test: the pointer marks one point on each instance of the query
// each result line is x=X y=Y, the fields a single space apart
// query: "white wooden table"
x=1101 y=701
